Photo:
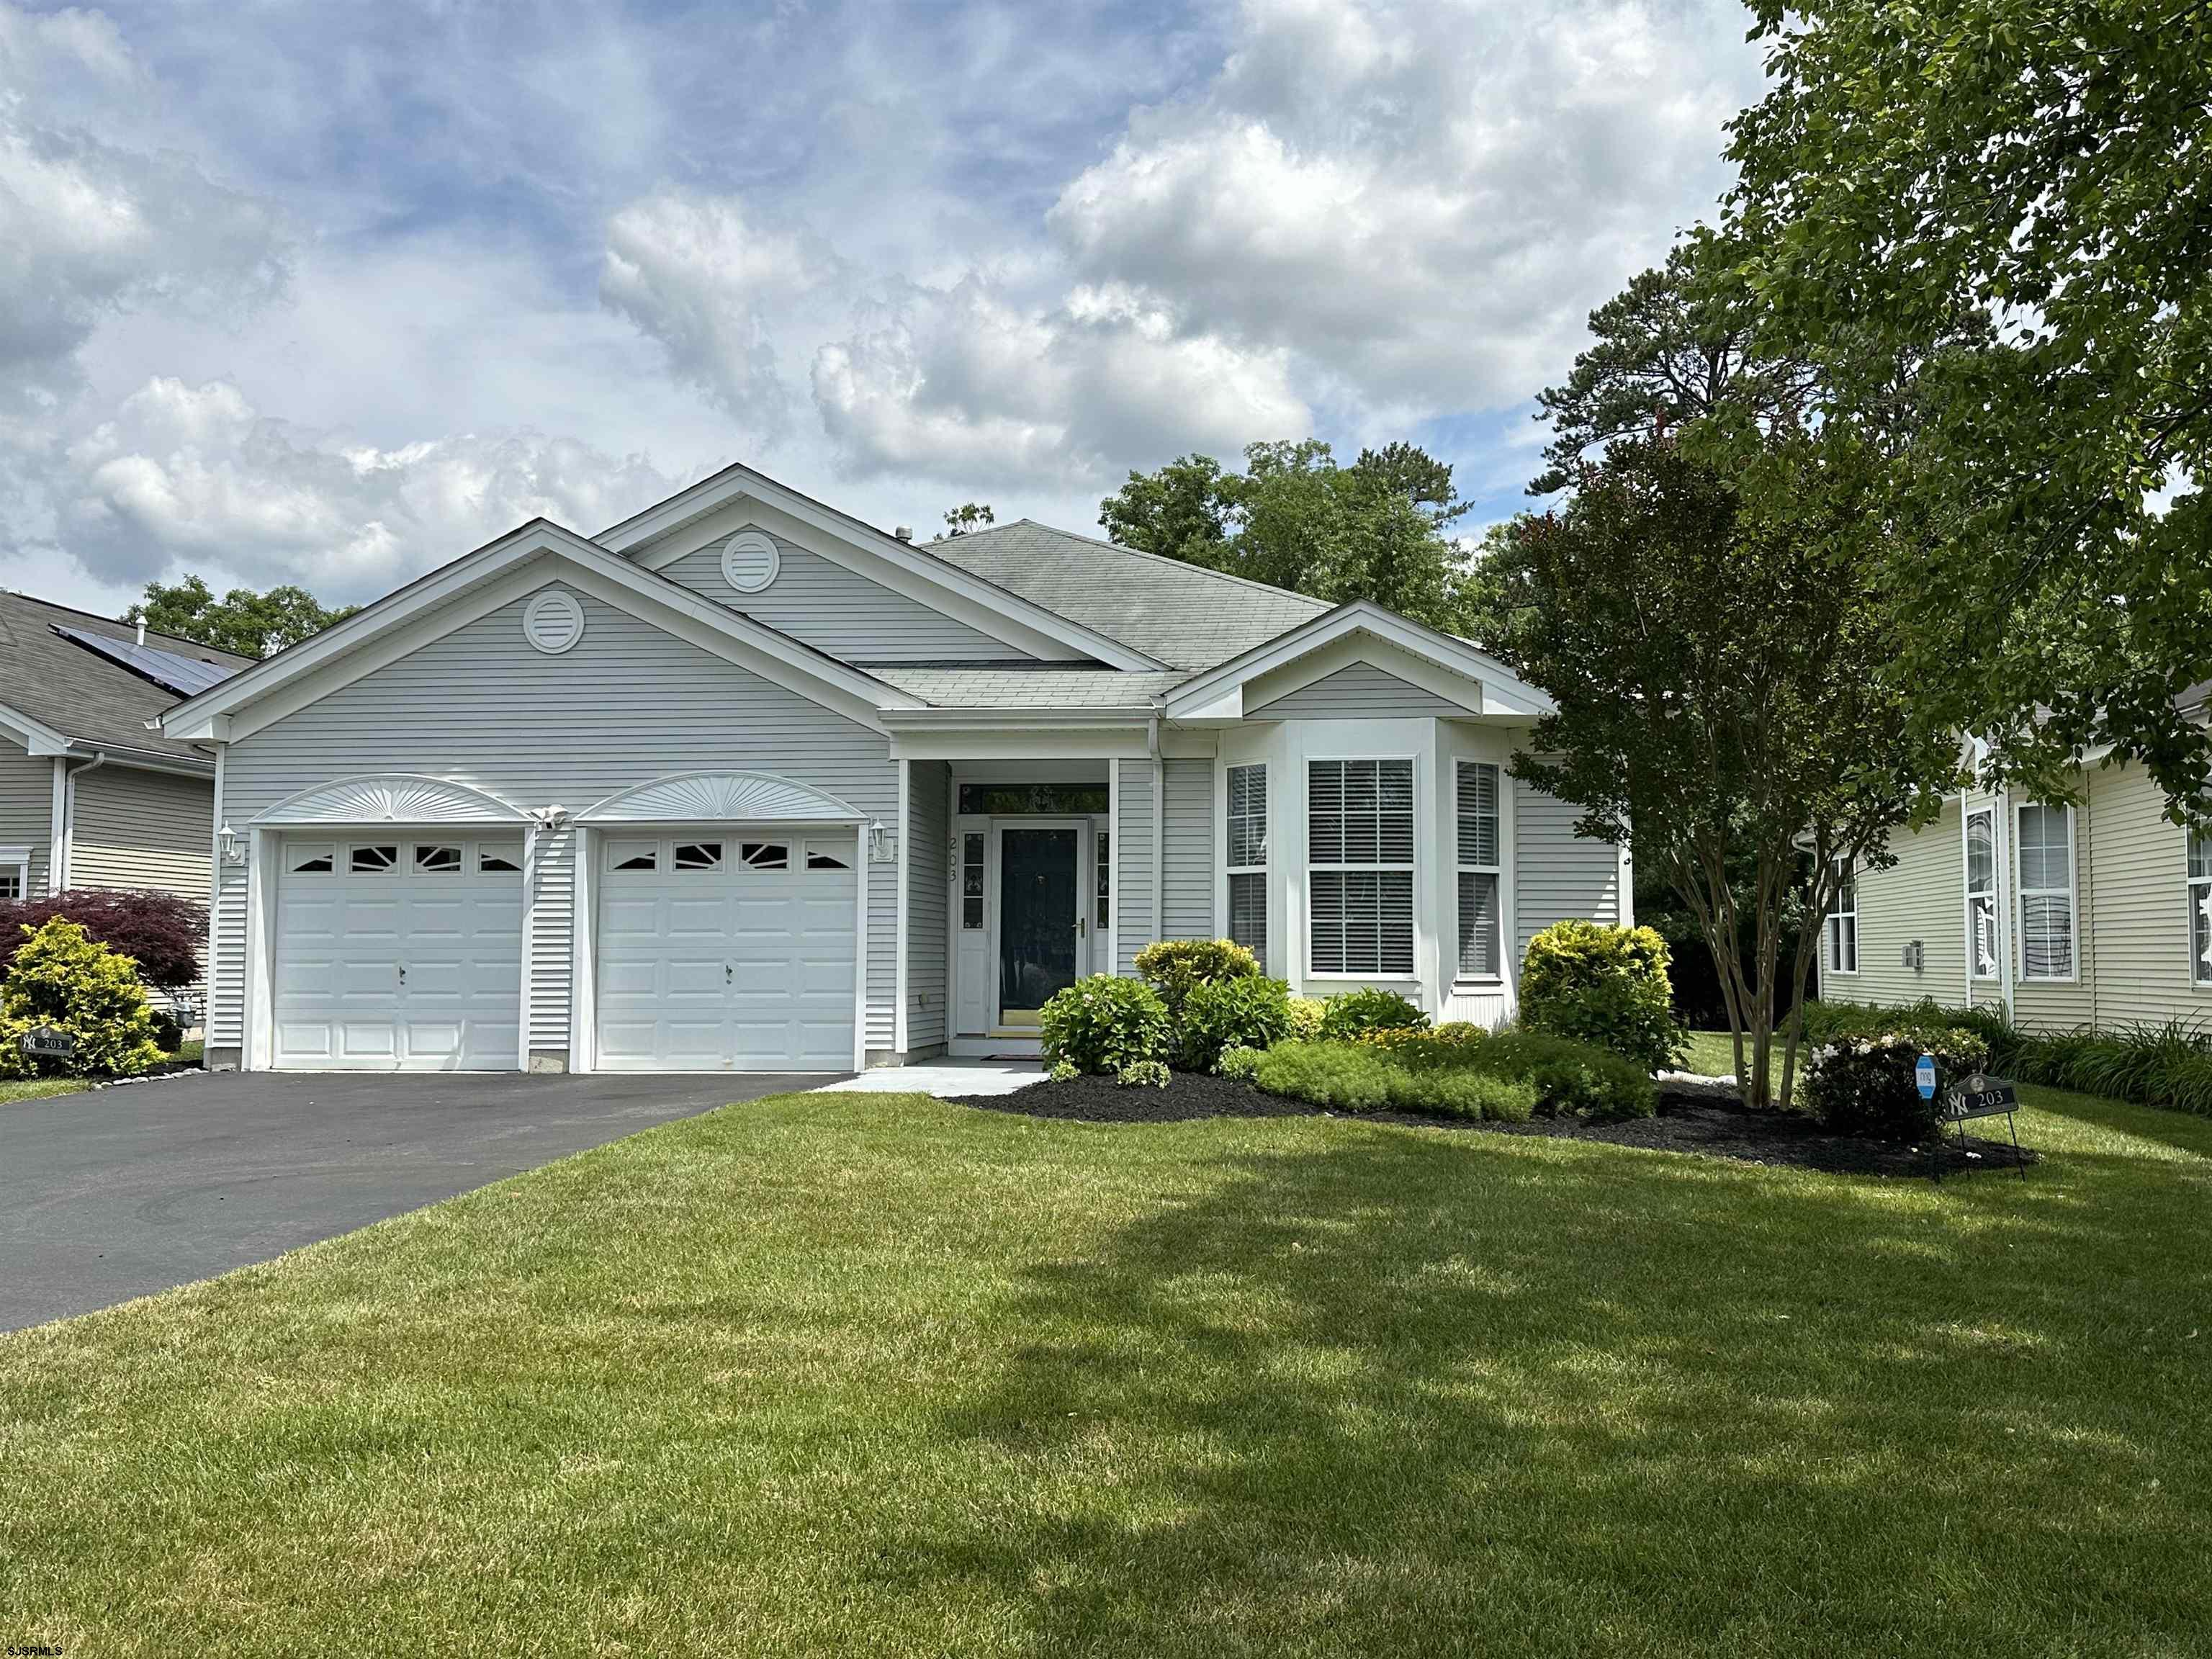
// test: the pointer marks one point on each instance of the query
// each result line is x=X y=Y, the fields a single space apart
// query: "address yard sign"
x=45 y=1042
x=1977 y=1095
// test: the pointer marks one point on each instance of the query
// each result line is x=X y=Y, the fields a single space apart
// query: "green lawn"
x=844 y=1373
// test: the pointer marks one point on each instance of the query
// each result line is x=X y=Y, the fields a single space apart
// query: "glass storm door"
x=1040 y=906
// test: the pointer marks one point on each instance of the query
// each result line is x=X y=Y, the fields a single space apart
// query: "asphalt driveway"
x=118 y=1193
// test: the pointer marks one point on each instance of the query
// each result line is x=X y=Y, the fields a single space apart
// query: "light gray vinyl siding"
x=1188 y=872
x=834 y=610
x=1558 y=873
x=929 y=878
x=552 y=912
x=1361 y=691
x=2134 y=866
x=1132 y=863
x=141 y=830
x=27 y=810
x=628 y=704
x=1923 y=896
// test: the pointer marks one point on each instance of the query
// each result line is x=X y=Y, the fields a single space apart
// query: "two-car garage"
x=722 y=947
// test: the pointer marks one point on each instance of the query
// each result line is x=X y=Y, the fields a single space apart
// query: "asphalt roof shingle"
x=1183 y=615
x=1027 y=688
x=80 y=693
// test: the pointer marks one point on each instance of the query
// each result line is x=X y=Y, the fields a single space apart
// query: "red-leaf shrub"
x=162 y=931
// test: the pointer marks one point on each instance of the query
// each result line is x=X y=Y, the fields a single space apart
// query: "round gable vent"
x=553 y=622
x=749 y=561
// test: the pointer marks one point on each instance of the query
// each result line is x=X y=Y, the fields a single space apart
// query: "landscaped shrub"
x=1243 y=1064
x=1366 y=1077
x=1063 y=1070
x=1350 y=1013
x=1864 y=1083
x=1176 y=967
x=1305 y=1018
x=1102 y=1024
x=1143 y=1074
x=1230 y=1014
x=64 y=979
x=162 y=933
x=1453 y=1043
x=1570 y=1076
x=1603 y=985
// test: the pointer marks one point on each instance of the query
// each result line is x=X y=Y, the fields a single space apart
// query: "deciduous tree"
x=242 y=621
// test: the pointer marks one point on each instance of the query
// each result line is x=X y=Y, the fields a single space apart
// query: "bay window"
x=1982 y=891
x=1480 y=916
x=1245 y=848
x=1844 y=925
x=2045 y=840
x=1359 y=868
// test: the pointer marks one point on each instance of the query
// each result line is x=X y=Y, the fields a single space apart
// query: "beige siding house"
x=2097 y=914
x=745 y=784
x=92 y=793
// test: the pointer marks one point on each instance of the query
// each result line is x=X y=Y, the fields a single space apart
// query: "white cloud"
x=964 y=381
x=700 y=275
x=89 y=230
x=188 y=476
x=1423 y=200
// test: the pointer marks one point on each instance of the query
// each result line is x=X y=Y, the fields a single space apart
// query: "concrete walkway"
x=944 y=1078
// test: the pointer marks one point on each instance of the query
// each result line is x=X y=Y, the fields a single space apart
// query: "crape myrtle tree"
x=2045 y=166
x=1722 y=675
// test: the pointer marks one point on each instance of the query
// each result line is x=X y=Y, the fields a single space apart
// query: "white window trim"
x=2198 y=890
x=2022 y=893
x=1269 y=922
x=1830 y=933
x=1988 y=809
x=18 y=859
x=1456 y=978
x=1412 y=868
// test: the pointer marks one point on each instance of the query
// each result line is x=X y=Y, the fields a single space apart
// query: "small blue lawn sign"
x=1924 y=1075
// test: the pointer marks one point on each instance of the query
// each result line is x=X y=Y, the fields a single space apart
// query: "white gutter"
x=65 y=855
x=1159 y=825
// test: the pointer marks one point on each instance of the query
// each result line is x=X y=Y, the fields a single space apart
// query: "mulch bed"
x=1690 y=1120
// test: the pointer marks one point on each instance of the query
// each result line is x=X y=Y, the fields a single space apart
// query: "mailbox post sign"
x=45 y=1043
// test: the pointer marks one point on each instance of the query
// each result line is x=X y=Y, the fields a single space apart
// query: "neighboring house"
x=2098 y=914
x=745 y=784
x=92 y=793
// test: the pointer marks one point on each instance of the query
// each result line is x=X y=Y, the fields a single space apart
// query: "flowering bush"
x=1102 y=1024
x=63 y=979
x=1864 y=1084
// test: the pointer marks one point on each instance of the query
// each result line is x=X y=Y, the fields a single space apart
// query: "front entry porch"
x=1031 y=910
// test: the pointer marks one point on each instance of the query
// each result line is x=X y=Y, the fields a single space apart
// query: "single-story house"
x=2095 y=914
x=743 y=783
x=92 y=793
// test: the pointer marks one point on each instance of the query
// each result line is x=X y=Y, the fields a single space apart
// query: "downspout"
x=68 y=848
x=1159 y=823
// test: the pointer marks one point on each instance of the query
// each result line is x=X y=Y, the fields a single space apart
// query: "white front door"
x=397 y=952
x=729 y=950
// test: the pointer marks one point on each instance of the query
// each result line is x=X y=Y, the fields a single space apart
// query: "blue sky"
x=331 y=295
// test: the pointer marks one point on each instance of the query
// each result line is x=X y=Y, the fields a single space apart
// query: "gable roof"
x=347 y=649
x=1219 y=693
x=902 y=563
x=84 y=697
x=1186 y=615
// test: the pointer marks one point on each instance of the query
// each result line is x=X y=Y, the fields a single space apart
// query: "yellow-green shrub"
x=64 y=979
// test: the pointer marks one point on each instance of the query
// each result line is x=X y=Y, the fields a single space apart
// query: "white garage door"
x=727 y=951
x=399 y=954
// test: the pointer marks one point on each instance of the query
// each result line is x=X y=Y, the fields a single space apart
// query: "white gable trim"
x=36 y=736
x=1348 y=651
x=738 y=496
x=1450 y=667
x=473 y=587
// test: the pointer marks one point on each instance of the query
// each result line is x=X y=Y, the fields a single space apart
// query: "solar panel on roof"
x=172 y=671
